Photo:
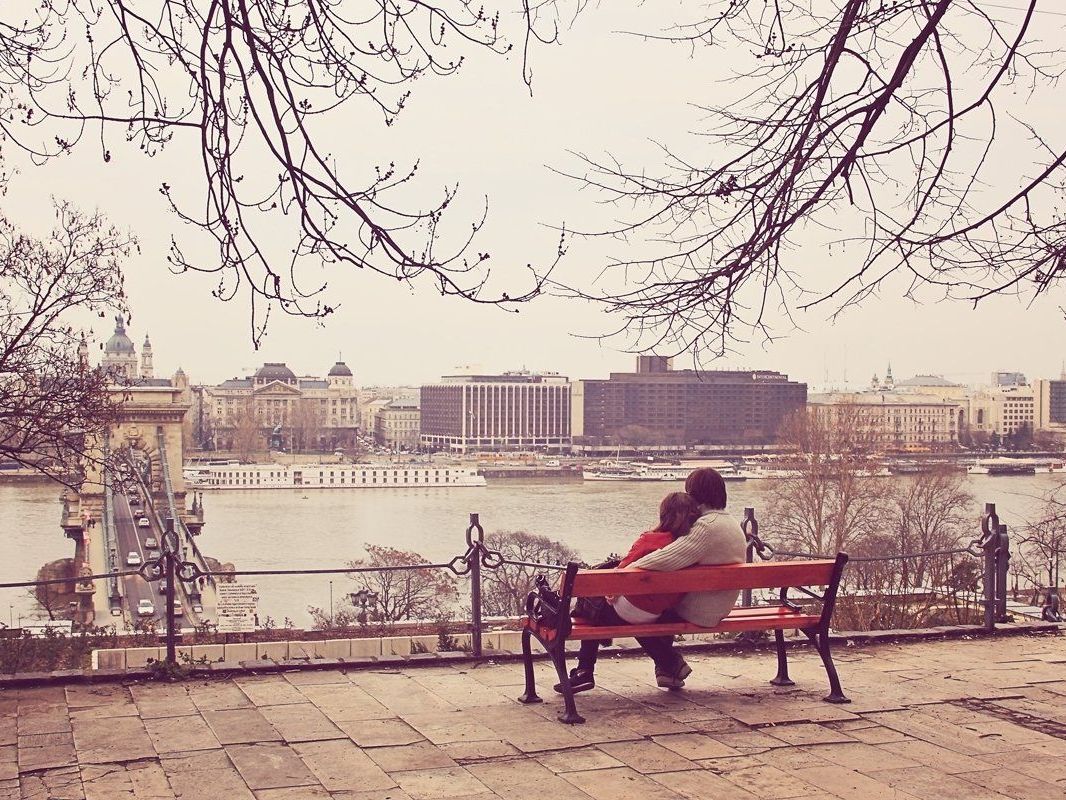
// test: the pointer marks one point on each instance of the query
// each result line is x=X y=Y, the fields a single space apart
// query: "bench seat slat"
x=728 y=625
x=770 y=575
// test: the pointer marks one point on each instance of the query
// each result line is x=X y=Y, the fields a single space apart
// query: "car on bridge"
x=163 y=586
x=133 y=558
x=151 y=553
x=143 y=523
x=134 y=499
x=178 y=610
x=145 y=608
x=150 y=542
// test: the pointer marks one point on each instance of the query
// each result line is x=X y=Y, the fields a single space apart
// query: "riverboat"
x=1002 y=466
x=330 y=476
x=637 y=471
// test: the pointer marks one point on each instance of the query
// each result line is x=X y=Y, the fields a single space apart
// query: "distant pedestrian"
x=1050 y=612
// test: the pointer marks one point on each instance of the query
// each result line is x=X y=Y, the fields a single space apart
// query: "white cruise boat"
x=637 y=471
x=330 y=476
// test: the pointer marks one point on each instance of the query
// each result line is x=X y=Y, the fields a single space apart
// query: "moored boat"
x=330 y=476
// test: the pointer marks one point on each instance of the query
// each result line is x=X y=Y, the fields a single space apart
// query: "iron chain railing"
x=992 y=545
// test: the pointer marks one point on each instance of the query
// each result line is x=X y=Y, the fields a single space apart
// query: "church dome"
x=340 y=370
x=274 y=371
x=119 y=343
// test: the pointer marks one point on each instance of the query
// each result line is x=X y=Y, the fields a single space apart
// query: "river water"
x=281 y=530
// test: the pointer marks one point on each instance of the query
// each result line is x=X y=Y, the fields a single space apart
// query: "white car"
x=145 y=608
x=178 y=610
x=143 y=523
x=133 y=558
x=150 y=542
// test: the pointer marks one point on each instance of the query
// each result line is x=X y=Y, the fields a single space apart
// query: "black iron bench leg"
x=782 y=678
x=530 y=694
x=569 y=715
x=820 y=640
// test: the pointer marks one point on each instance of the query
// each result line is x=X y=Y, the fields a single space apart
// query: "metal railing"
x=992 y=546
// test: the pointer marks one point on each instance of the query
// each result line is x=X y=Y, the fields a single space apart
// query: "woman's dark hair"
x=677 y=512
x=707 y=486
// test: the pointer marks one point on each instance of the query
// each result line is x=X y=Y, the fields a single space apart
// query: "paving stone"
x=345 y=702
x=241 y=726
x=931 y=755
x=802 y=734
x=858 y=756
x=38 y=758
x=935 y=785
x=52 y=784
x=432 y=784
x=295 y=793
x=479 y=750
x=762 y=780
x=137 y=781
x=846 y=783
x=1015 y=784
x=383 y=794
x=521 y=780
x=340 y=765
x=270 y=765
x=620 y=783
x=270 y=691
x=209 y=775
x=180 y=734
x=702 y=785
x=219 y=695
x=56 y=720
x=87 y=696
x=106 y=740
x=379 y=732
x=442 y=727
x=645 y=757
x=580 y=760
x=421 y=755
x=301 y=722
x=155 y=701
x=694 y=745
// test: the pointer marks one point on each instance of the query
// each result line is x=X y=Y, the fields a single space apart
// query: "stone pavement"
x=977 y=719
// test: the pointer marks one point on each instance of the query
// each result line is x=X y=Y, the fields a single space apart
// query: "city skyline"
x=393 y=333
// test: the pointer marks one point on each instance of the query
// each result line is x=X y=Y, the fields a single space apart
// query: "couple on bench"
x=694 y=528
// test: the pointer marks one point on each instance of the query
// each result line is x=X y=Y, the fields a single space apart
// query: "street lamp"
x=363 y=599
x=331 y=604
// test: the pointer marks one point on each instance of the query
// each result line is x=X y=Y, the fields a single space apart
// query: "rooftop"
x=982 y=720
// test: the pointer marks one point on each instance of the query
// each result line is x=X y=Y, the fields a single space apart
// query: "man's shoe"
x=673 y=679
x=581 y=680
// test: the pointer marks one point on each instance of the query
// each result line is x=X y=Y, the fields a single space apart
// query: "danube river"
x=281 y=529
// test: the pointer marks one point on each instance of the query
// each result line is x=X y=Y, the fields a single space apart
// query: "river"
x=280 y=530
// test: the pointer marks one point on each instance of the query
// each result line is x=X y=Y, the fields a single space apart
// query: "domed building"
x=120 y=356
x=291 y=412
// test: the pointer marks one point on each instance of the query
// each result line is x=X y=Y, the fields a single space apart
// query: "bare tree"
x=504 y=589
x=831 y=498
x=872 y=130
x=257 y=90
x=406 y=593
x=305 y=425
x=247 y=429
x=53 y=404
x=1040 y=544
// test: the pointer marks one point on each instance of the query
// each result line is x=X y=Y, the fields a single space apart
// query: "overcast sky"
x=600 y=92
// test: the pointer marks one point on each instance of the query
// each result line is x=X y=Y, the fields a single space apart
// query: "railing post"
x=989 y=536
x=1002 y=566
x=473 y=559
x=750 y=526
x=169 y=557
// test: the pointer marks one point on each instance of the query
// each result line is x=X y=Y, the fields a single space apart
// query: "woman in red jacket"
x=677 y=513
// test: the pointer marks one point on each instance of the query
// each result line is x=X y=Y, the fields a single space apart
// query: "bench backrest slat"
x=771 y=575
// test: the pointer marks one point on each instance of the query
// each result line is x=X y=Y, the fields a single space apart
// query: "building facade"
x=657 y=405
x=275 y=408
x=1050 y=404
x=397 y=425
x=512 y=411
x=894 y=421
x=1000 y=411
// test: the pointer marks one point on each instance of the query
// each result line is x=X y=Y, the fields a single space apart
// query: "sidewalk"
x=978 y=720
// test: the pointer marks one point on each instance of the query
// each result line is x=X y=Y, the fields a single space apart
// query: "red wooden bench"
x=548 y=612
